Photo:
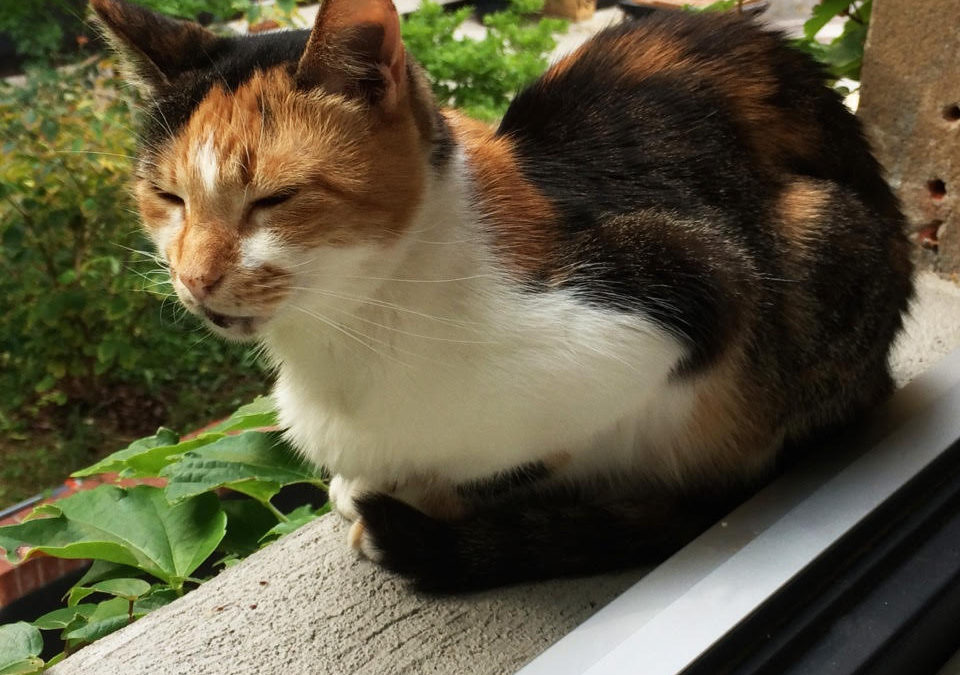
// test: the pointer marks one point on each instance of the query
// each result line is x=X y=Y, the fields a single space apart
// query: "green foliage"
x=20 y=646
x=38 y=28
x=29 y=25
x=480 y=76
x=147 y=542
x=842 y=56
x=87 y=321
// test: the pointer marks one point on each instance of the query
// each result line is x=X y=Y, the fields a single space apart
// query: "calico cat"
x=557 y=347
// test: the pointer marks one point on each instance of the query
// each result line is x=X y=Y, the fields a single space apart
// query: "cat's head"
x=269 y=160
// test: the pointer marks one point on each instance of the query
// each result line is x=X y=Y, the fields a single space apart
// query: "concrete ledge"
x=306 y=605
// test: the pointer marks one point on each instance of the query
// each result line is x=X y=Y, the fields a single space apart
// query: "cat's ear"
x=355 y=49
x=154 y=48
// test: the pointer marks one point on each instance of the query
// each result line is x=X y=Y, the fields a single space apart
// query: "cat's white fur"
x=425 y=359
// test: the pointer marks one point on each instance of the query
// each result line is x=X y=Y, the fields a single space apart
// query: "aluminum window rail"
x=684 y=609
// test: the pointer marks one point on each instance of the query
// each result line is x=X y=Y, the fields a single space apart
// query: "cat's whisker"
x=410 y=334
x=349 y=333
x=418 y=281
x=384 y=304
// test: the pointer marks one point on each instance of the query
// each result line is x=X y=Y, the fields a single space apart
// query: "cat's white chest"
x=543 y=374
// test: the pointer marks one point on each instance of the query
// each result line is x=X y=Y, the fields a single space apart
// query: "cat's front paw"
x=360 y=539
x=407 y=541
x=343 y=494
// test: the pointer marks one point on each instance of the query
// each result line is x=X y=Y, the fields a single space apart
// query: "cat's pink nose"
x=201 y=285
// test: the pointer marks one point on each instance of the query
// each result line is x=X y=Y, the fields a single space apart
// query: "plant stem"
x=278 y=514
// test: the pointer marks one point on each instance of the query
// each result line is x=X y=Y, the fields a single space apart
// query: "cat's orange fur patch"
x=731 y=430
x=800 y=207
x=356 y=173
x=522 y=219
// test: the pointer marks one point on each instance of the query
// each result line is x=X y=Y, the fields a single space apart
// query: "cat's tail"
x=528 y=540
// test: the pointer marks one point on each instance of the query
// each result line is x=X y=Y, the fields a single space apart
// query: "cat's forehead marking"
x=207 y=163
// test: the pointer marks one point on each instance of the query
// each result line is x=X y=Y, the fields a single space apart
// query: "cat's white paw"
x=343 y=493
x=359 y=539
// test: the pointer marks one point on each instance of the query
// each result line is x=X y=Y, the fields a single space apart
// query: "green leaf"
x=822 y=13
x=296 y=519
x=20 y=645
x=27 y=666
x=254 y=463
x=108 y=616
x=129 y=588
x=101 y=570
x=143 y=456
x=247 y=522
x=259 y=414
x=135 y=527
x=59 y=619
x=154 y=600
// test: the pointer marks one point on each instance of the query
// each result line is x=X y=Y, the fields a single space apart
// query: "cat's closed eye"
x=275 y=199
x=169 y=197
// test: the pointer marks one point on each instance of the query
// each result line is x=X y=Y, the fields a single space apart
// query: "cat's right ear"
x=355 y=49
x=154 y=48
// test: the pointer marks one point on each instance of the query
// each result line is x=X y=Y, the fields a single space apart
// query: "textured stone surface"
x=909 y=99
x=306 y=605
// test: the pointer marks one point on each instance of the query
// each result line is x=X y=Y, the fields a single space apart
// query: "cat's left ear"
x=154 y=48
x=355 y=49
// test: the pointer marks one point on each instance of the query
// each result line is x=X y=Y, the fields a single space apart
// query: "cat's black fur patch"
x=642 y=171
x=507 y=481
x=230 y=61
x=514 y=541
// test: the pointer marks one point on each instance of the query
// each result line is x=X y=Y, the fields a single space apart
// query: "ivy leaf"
x=259 y=414
x=255 y=463
x=156 y=599
x=247 y=522
x=147 y=457
x=118 y=461
x=135 y=527
x=20 y=647
x=129 y=589
x=101 y=570
x=59 y=619
x=108 y=616
x=296 y=519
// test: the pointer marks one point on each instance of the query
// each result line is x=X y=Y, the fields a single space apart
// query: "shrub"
x=38 y=28
x=85 y=322
x=842 y=56
x=480 y=76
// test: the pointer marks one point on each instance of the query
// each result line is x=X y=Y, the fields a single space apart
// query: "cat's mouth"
x=233 y=326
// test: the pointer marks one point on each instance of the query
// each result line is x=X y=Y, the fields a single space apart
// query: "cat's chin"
x=236 y=328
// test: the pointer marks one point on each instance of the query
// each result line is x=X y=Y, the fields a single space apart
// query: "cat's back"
x=676 y=98
x=701 y=171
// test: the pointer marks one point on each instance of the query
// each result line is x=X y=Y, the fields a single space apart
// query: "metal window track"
x=800 y=577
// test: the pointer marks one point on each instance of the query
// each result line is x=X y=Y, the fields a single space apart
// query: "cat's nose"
x=201 y=285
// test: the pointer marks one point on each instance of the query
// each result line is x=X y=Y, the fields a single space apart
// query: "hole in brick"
x=928 y=236
x=937 y=188
x=951 y=113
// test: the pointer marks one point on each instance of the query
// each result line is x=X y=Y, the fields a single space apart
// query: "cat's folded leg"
x=344 y=492
x=439 y=499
